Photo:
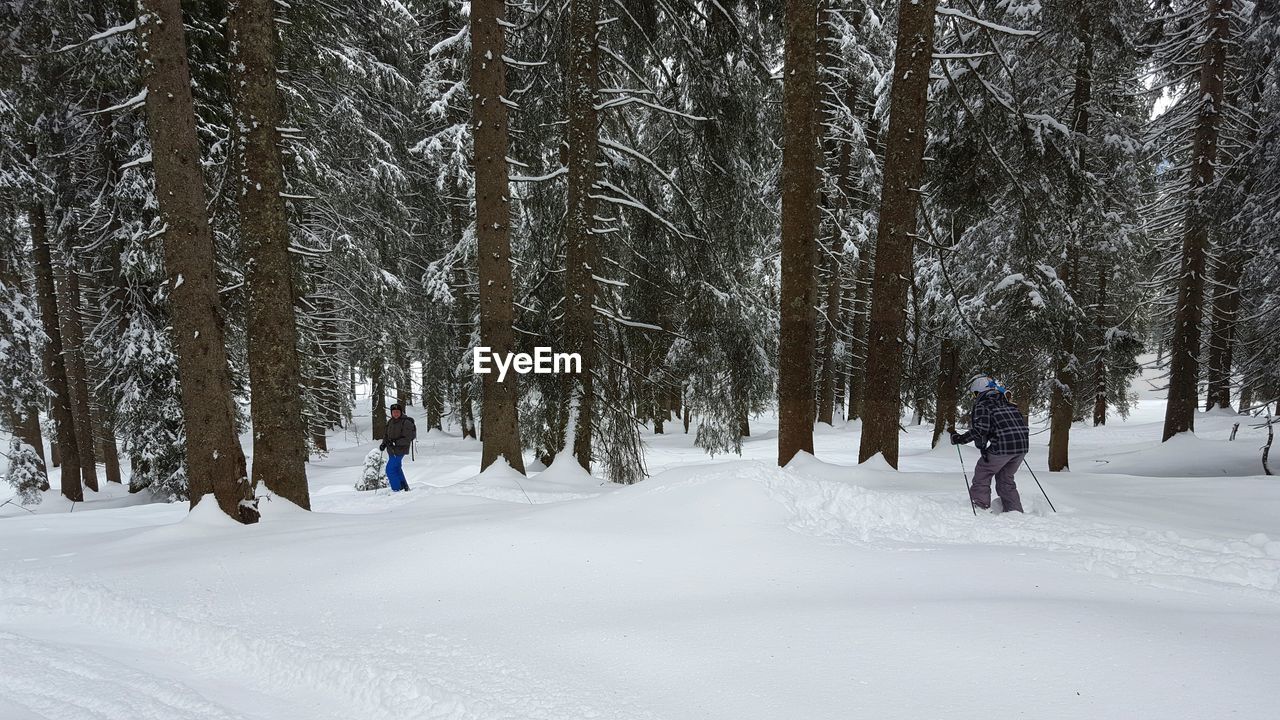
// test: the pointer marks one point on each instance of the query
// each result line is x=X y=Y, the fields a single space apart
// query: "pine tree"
x=904 y=153
x=799 y=228
x=275 y=378
x=499 y=422
x=215 y=460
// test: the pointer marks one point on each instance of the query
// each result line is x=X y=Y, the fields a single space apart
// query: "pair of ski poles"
x=974 y=507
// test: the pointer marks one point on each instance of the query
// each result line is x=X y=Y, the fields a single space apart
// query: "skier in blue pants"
x=399 y=435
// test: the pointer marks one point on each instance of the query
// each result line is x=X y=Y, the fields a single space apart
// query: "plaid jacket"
x=996 y=426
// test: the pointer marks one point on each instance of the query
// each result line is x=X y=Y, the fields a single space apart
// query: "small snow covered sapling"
x=372 y=478
x=25 y=473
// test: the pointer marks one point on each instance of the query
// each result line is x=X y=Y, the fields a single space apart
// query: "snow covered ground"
x=720 y=588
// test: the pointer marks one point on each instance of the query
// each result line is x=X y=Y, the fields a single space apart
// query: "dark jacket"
x=996 y=426
x=400 y=435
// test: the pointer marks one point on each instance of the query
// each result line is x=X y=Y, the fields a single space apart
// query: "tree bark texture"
x=1100 y=362
x=77 y=370
x=895 y=234
x=215 y=461
x=799 y=231
x=582 y=140
x=1062 y=398
x=501 y=429
x=944 y=417
x=65 y=450
x=275 y=375
x=1184 y=370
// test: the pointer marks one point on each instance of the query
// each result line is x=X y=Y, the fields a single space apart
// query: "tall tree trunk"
x=831 y=332
x=1226 y=305
x=501 y=436
x=1062 y=399
x=944 y=417
x=77 y=372
x=899 y=201
x=432 y=390
x=65 y=451
x=463 y=320
x=858 y=336
x=799 y=231
x=1184 y=371
x=582 y=139
x=378 y=398
x=275 y=368
x=1100 y=362
x=215 y=461
x=110 y=454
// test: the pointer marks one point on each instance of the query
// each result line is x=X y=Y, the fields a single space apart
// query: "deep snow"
x=719 y=588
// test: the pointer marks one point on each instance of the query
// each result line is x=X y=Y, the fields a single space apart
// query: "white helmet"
x=982 y=383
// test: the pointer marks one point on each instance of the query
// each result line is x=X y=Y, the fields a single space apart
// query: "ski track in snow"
x=388 y=677
x=850 y=513
x=58 y=681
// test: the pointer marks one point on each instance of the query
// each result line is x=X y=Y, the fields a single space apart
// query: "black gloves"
x=383 y=446
x=955 y=438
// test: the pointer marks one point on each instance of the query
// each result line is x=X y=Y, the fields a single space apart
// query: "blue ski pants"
x=395 y=474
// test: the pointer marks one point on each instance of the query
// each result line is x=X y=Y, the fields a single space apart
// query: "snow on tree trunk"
x=895 y=233
x=275 y=368
x=501 y=429
x=1184 y=371
x=799 y=231
x=215 y=461
x=583 y=141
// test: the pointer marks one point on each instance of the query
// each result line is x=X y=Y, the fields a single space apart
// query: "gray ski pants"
x=1002 y=468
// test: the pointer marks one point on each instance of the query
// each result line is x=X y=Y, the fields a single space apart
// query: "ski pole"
x=1042 y=492
x=964 y=470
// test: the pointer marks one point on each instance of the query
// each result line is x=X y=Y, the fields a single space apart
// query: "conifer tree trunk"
x=799 y=231
x=432 y=391
x=215 y=461
x=1184 y=370
x=378 y=399
x=463 y=320
x=110 y=454
x=501 y=429
x=831 y=331
x=858 y=336
x=275 y=368
x=65 y=450
x=1100 y=362
x=1062 y=399
x=582 y=139
x=899 y=201
x=77 y=372
x=944 y=417
x=1226 y=305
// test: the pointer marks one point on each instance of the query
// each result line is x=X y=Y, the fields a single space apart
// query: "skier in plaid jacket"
x=999 y=431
